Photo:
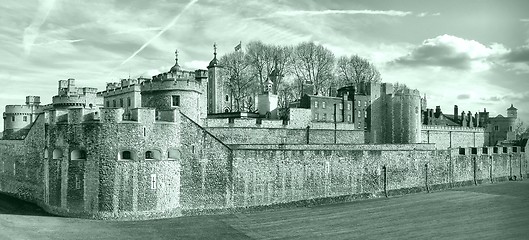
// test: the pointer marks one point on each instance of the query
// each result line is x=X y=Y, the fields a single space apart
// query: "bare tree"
x=313 y=63
x=264 y=59
x=287 y=93
x=520 y=129
x=240 y=83
x=356 y=69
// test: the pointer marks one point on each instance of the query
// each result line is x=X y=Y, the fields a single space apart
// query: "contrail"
x=334 y=12
x=32 y=31
x=173 y=22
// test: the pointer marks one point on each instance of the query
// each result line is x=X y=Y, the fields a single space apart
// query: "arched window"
x=46 y=153
x=57 y=154
x=126 y=155
x=227 y=97
x=173 y=154
x=152 y=155
x=78 y=155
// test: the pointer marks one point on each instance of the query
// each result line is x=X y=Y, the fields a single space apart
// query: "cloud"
x=518 y=55
x=296 y=13
x=32 y=31
x=172 y=23
x=524 y=20
x=452 y=52
x=463 y=96
x=492 y=99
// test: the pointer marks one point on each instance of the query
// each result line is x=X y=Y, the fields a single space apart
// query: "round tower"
x=512 y=112
x=175 y=89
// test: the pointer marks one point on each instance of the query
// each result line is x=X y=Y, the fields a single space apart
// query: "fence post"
x=426 y=177
x=385 y=180
x=475 y=170
x=491 y=169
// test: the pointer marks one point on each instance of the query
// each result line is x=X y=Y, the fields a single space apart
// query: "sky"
x=473 y=53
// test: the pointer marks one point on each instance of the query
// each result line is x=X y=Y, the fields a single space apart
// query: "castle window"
x=322 y=104
x=153 y=181
x=315 y=105
x=504 y=149
x=46 y=153
x=152 y=155
x=341 y=106
x=121 y=102
x=149 y=155
x=349 y=118
x=510 y=128
x=78 y=155
x=77 y=182
x=114 y=103
x=13 y=118
x=226 y=98
x=176 y=100
x=125 y=155
x=108 y=103
x=365 y=104
x=359 y=113
x=365 y=114
x=359 y=102
x=57 y=154
x=496 y=128
x=348 y=106
x=129 y=103
x=25 y=119
x=461 y=151
x=316 y=116
x=324 y=118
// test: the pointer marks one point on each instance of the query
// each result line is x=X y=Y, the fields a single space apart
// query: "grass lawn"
x=491 y=211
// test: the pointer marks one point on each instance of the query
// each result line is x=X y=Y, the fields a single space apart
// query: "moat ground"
x=491 y=211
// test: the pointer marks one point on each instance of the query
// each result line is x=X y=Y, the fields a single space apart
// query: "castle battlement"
x=113 y=90
x=172 y=84
x=452 y=128
x=111 y=115
x=267 y=123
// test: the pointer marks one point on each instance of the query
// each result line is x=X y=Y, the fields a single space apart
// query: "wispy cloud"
x=172 y=23
x=524 y=20
x=60 y=41
x=425 y=14
x=138 y=30
x=296 y=13
x=32 y=31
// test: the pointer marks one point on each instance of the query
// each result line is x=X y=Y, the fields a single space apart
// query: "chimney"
x=456 y=111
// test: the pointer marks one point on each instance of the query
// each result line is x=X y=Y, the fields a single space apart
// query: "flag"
x=238 y=47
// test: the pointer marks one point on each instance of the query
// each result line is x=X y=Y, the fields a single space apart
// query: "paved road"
x=498 y=211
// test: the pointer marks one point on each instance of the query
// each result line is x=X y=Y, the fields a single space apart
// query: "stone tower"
x=512 y=112
x=215 y=87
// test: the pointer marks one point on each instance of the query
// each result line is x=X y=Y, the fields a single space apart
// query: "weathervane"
x=215 y=49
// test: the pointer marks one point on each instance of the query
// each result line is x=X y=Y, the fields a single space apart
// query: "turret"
x=512 y=112
x=215 y=88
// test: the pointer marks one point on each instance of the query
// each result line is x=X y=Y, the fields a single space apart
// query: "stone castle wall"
x=452 y=137
x=196 y=172
x=280 y=176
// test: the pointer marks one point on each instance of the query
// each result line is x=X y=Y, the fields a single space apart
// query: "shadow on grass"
x=14 y=206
